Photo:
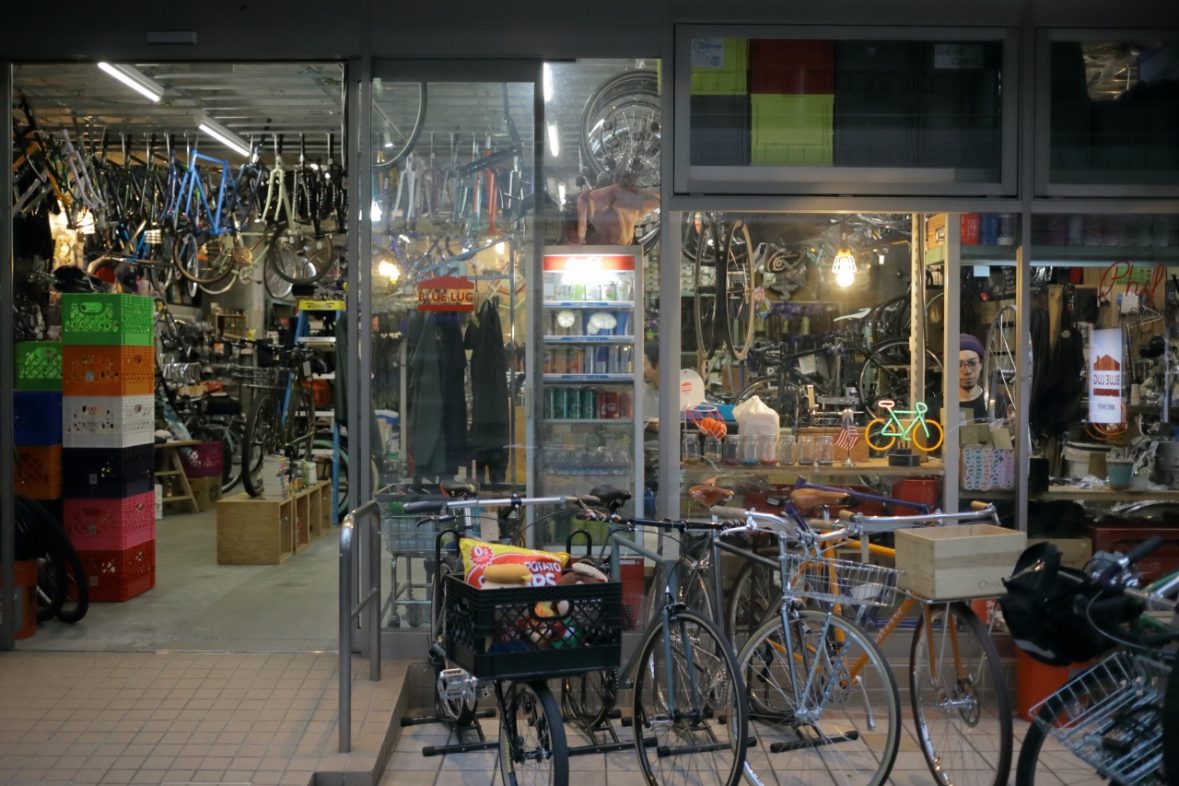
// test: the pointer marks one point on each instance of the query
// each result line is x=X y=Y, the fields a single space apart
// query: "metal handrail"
x=370 y=541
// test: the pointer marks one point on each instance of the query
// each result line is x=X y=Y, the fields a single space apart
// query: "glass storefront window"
x=796 y=329
x=781 y=111
x=1114 y=114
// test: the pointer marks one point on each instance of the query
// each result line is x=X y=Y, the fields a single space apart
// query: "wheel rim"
x=843 y=731
x=528 y=748
x=740 y=284
x=621 y=129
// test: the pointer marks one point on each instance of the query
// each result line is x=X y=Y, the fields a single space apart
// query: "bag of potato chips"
x=544 y=566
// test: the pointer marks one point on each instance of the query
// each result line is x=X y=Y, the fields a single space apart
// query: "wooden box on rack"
x=262 y=531
x=963 y=561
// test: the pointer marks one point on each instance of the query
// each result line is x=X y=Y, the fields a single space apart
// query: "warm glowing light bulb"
x=500 y=248
x=389 y=271
x=845 y=278
x=844 y=268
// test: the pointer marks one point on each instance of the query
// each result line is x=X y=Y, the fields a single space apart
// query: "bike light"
x=132 y=78
x=223 y=135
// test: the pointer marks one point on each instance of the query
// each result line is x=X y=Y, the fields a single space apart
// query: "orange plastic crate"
x=38 y=472
x=108 y=371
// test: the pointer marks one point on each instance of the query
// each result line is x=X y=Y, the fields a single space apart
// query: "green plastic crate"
x=720 y=66
x=791 y=130
x=38 y=365
x=107 y=320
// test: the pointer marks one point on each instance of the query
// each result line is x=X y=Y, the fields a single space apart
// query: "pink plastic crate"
x=115 y=524
x=118 y=575
x=204 y=460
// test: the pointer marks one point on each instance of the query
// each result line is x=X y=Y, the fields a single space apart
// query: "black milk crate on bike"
x=108 y=473
x=497 y=634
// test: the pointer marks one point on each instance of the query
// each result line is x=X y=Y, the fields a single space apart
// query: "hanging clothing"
x=490 y=432
x=437 y=396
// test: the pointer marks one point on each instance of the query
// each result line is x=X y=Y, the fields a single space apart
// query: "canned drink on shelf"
x=559 y=361
x=626 y=404
x=589 y=403
x=573 y=404
x=559 y=410
x=603 y=360
x=608 y=405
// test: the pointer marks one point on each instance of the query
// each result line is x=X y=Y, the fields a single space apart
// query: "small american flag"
x=848 y=437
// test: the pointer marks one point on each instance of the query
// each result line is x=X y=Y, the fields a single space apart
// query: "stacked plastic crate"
x=108 y=426
x=37 y=420
x=792 y=101
x=719 y=105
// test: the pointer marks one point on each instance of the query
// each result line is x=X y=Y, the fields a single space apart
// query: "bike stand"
x=611 y=744
x=482 y=744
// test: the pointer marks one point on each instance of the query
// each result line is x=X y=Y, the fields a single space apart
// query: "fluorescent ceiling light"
x=223 y=135
x=554 y=140
x=132 y=78
x=547 y=82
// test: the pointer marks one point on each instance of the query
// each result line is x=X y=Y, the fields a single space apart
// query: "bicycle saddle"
x=709 y=496
x=808 y=501
x=223 y=404
x=612 y=498
x=460 y=489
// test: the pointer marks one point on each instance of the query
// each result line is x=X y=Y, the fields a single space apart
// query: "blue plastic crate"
x=36 y=418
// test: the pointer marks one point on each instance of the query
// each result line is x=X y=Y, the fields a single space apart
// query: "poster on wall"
x=1105 y=376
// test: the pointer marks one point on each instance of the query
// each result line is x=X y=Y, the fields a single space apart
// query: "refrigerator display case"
x=588 y=407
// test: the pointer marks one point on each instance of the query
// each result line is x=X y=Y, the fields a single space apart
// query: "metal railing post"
x=345 y=712
x=374 y=595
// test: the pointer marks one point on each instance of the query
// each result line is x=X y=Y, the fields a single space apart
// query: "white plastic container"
x=107 y=421
x=755 y=418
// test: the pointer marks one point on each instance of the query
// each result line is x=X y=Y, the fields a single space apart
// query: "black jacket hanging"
x=490 y=433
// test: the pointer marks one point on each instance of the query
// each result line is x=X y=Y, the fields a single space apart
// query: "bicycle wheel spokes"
x=259 y=440
x=961 y=709
x=823 y=703
x=693 y=729
x=532 y=738
x=740 y=284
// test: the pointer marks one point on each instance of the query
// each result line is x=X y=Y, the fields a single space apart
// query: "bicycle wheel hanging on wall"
x=399 y=112
x=621 y=131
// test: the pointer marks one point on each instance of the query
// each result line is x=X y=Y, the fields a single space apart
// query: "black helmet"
x=1044 y=609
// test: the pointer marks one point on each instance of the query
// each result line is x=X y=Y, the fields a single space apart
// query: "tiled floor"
x=184 y=717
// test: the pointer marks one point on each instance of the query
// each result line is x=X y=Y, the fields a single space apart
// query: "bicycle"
x=956 y=678
x=1120 y=716
x=282 y=415
x=689 y=709
x=481 y=636
x=926 y=439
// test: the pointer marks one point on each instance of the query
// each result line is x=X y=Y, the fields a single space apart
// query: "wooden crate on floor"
x=262 y=531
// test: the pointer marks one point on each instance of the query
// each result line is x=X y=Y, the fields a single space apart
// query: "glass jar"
x=824 y=449
x=749 y=449
x=690 y=448
x=806 y=449
x=712 y=449
x=767 y=450
x=786 y=449
x=731 y=449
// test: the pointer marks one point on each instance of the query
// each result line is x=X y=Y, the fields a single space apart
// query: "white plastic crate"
x=108 y=421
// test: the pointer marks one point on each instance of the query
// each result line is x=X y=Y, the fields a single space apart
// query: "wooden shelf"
x=1104 y=494
x=788 y=474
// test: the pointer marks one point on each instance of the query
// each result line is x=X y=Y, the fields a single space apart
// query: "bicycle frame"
x=193 y=198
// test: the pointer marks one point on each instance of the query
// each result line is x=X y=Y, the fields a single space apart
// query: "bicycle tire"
x=699 y=235
x=819 y=747
x=621 y=128
x=462 y=712
x=751 y=599
x=740 y=312
x=590 y=697
x=713 y=719
x=75 y=600
x=929 y=437
x=953 y=759
x=342 y=491
x=216 y=264
x=295 y=265
x=531 y=710
x=31 y=544
x=402 y=143
x=885 y=373
x=873 y=430
x=258 y=440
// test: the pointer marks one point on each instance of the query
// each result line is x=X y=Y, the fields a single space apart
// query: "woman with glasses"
x=970 y=393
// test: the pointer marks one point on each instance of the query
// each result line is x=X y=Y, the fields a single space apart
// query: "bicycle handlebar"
x=434 y=506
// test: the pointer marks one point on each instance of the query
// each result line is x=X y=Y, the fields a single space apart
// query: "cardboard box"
x=206 y=491
x=963 y=561
x=1074 y=552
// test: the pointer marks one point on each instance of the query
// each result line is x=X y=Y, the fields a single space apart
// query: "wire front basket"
x=252 y=377
x=1110 y=716
x=830 y=580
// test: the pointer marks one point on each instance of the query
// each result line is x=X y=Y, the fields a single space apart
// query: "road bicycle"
x=493 y=636
x=689 y=710
x=957 y=685
x=1118 y=718
x=907 y=425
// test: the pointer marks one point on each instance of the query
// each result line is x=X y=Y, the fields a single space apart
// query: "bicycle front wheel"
x=927 y=437
x=874 y=435
x=590 y=697
x=532 y=747
x=823 y=702
x=259 y=440
x=740 y=286
x=690 y=716
x=961 y=709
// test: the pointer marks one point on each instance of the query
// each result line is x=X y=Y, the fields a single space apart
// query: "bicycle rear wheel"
x=696 y=727
x=823 y=702
x=739 y=288
x=886 y=373
x=961 y=709
x=590 y=697
x=532 y=747
x=401 y=112
x=701 y=243
x=204 y=261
